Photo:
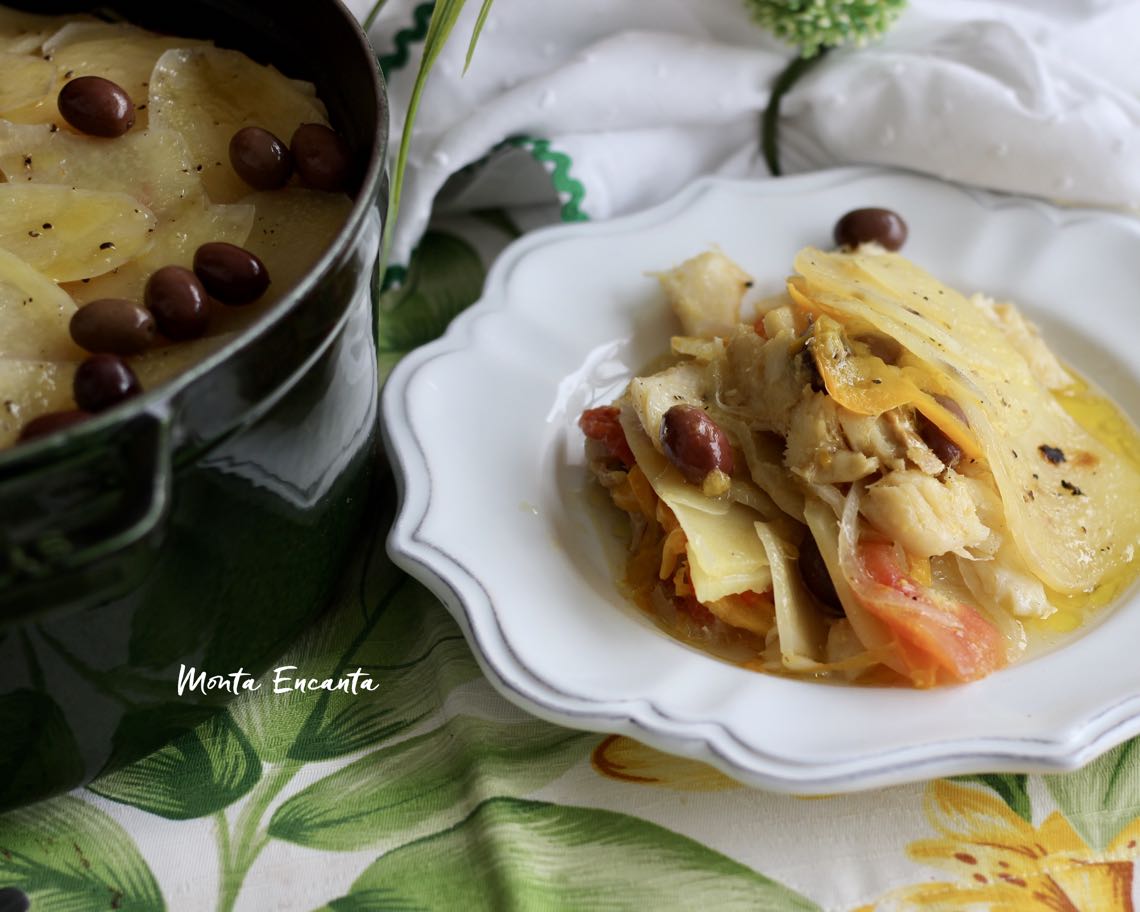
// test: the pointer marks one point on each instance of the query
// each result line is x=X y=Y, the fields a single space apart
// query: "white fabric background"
x=1039 y=97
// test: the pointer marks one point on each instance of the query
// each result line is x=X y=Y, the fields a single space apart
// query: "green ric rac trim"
x=405 y=37
x=569 y=189
x=394 y=275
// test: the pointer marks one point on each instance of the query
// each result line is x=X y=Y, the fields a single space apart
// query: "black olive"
x=694 y=443
x=96 y=106
x=865 y=226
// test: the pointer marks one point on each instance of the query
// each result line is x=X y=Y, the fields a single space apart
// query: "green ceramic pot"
x=205 y=523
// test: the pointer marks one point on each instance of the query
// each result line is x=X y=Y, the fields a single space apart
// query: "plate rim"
x=711 y=741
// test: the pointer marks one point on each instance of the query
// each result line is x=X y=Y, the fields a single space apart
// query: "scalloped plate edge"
x=708 y=741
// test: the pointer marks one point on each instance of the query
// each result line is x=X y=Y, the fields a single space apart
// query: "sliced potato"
x=23 y=33
x=152 y=166
x=34 y=314
x=1074 y=522
x=27 y=84
x=168 y=361
x=176 y=237
x=29 y=89
x=307 y=89
x=72 y=234
x=207 y=94
x=286 y=252
x=29 y=389
x=127 y=57
x=74 y=32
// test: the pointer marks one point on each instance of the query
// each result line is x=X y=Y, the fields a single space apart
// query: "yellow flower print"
x=627 y=760
x=998 y=862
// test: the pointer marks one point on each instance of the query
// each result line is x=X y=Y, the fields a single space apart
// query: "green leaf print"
x=148 y=728
x=515 y=854
x=444 y=277
x=1012 y=787
x=272 y=721
x=40 y=752
x=388 y=626
x=69 y=856
x=383 y=623
x=194 y=776
x=411 y=649
x=1102 y=798
x=181 y=616
x=415 y=655
x=426 y=783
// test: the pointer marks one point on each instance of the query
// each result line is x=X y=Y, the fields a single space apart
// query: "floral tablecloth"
x=435 y=793
x=432 y=792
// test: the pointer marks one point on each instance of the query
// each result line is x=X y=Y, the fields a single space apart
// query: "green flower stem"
x=372 y=14
x=770 y=123
x=222 y=826
x=249 y=836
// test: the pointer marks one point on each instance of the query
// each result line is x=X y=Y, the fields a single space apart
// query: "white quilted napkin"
x=624 y=102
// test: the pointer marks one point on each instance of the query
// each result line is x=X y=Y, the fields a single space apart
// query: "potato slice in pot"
x=169 y=361
x=28 y=88
x=286 y=252
x=74 y=32
x=22 y=33
x=29 y=389
x=177 y=235
x=208 y=94
x=153 y=166
x=72 y=234
x=34 y=314
x=122 y=53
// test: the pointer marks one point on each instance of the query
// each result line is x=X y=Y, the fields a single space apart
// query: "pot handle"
x=80 y=529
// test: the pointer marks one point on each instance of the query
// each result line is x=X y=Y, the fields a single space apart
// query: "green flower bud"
x=814 y=24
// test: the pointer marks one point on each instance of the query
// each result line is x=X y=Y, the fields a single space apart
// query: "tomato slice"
x=604 y=424
x=940 y=639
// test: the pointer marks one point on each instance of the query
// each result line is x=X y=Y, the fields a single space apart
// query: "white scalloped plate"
x=496 y=515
